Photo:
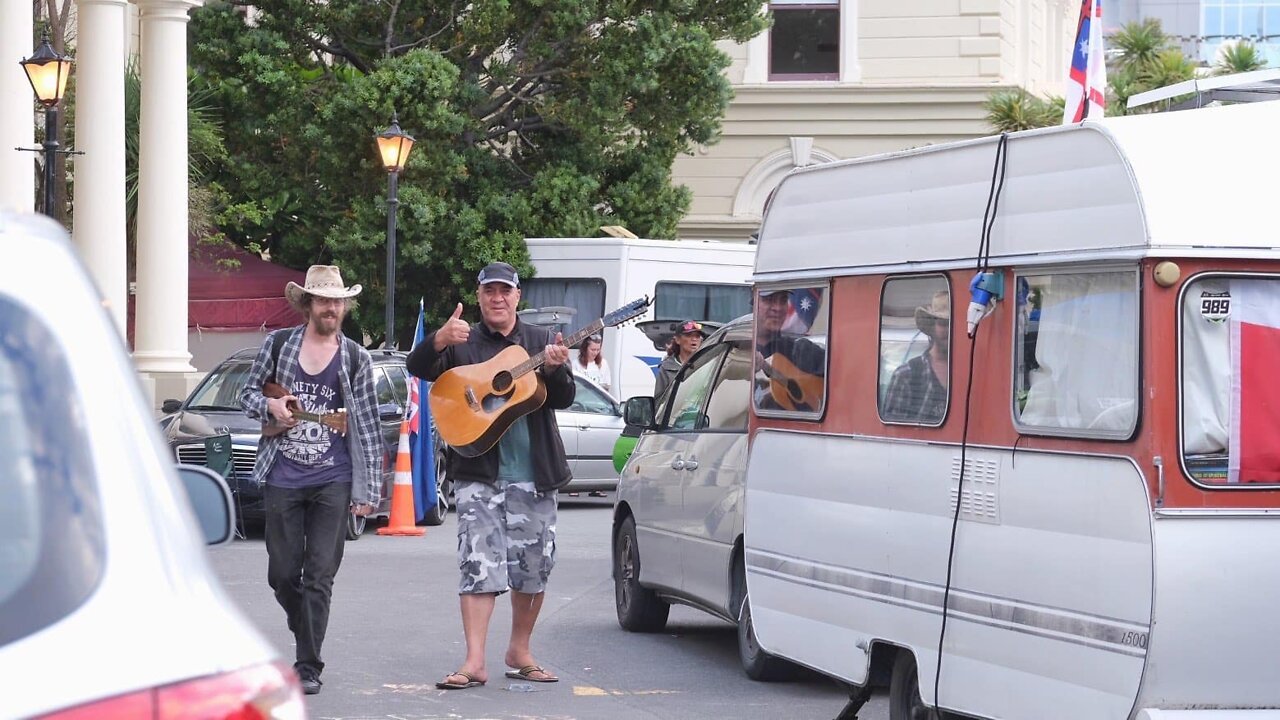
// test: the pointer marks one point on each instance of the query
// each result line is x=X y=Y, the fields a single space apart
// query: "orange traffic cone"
x=402 y=512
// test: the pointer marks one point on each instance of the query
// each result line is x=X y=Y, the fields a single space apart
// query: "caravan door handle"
x=677 y=464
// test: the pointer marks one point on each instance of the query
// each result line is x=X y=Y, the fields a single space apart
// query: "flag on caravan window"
x=421 y=442
x=1255 y=395
x=1086 y=97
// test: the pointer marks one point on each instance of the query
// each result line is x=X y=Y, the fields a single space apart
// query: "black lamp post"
x=394 y=146
x=48 y=71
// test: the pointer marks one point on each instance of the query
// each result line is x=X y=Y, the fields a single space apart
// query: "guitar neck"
x=535 y=361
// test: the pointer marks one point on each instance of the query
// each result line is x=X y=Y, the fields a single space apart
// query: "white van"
x=687 y=279
x=1069 y=511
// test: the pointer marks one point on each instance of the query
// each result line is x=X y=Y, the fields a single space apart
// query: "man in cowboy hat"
x=312 y=475
x=917 y=391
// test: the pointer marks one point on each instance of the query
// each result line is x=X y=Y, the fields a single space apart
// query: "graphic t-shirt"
x=310 y=453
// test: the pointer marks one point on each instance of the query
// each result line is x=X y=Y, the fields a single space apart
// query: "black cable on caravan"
x=983 y=265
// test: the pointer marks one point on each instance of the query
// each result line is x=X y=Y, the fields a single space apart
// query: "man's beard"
x=326 y=325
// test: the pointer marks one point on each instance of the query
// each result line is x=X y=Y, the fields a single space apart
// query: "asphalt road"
x=394 y=630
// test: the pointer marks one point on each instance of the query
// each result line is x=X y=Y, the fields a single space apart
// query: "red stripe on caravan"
x=1259 y=403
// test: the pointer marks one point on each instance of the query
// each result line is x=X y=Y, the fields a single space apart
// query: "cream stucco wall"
x=912 y=73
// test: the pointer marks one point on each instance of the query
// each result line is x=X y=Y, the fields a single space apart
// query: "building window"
x=1257 y=21
x=804 y=42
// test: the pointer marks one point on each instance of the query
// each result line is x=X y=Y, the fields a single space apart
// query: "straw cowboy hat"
x=938 y=309
x=322 y=281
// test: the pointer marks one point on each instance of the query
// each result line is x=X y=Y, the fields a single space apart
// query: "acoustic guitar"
x=335 y=421
x=793 y=389
x=473 y=405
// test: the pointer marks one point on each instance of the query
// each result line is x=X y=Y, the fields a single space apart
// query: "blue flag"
x=421 y=436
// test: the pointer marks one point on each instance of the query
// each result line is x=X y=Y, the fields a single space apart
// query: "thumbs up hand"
x=455 y=331
x=556 y=353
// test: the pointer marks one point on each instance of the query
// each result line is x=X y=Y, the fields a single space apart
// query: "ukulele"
x=335 y=421
x=473 y=405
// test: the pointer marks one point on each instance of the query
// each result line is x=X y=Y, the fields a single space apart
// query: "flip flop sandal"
x=470 y=683
x=526 y=673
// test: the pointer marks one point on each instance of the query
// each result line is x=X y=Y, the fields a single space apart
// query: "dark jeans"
x=305 y=532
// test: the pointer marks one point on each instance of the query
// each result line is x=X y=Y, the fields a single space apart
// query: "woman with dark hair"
x=688 y=338
x=590 y=363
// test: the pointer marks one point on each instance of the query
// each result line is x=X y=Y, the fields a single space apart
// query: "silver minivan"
x=677 y=526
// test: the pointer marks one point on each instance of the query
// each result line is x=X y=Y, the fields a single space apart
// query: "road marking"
x=590 y=691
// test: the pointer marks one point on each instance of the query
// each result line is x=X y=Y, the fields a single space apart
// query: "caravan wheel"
x=904 y=692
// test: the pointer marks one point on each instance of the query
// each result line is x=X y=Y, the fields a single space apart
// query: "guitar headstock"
x=626 y=313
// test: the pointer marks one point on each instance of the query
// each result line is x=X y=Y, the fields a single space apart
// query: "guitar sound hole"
x=493 y=402
x=502 y=381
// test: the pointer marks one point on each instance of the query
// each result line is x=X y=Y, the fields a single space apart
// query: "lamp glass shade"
x=48 y=72
x=394 y=146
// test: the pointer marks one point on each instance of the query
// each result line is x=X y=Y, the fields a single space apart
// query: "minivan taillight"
x=261 y=692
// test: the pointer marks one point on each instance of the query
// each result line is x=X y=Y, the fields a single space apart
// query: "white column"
x=17 y=109
x=99 y=223
x=850 y=68
x=160 y=336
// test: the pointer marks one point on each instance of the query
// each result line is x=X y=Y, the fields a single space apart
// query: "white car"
x=589 y=428
x=108 y=607
x=677 y=527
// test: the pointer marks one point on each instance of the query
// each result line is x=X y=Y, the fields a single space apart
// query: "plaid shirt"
x=914 y=395
x=360 y=401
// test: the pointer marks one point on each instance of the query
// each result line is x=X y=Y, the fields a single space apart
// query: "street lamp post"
x=394 y=146
x=47 y=71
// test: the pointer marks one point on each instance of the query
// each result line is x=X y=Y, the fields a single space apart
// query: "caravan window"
x=1230 y=346
x=1076 y=354
x=915 y=358
x=701 y=301
x=586 y=295
x=790 y=377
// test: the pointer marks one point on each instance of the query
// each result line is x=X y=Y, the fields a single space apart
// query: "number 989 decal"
x=1215 y=307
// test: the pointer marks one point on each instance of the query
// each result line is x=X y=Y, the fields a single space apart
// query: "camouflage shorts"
x=506 y=537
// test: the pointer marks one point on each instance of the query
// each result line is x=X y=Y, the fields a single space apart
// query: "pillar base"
x=161 y=386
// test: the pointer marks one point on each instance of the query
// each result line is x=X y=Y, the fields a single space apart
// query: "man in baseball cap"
x=499 y=272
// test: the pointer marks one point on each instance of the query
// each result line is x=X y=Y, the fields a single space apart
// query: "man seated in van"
x=917 y=391
x=791 y=367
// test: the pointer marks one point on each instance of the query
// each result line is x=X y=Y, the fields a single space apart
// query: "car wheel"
x=904 y=692
x=444 y=496
x=639 y=608
x=756 y=663
x=355 y=525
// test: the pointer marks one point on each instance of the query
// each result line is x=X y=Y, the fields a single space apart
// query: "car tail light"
x=261 y=692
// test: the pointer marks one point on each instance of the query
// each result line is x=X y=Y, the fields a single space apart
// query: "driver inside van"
x=917 y=391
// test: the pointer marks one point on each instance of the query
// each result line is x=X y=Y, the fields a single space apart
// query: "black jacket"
x=550 y=466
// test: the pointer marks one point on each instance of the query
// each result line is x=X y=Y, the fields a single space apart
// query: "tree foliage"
x=532 y=118
x=1145 y=58
x=1239 y=57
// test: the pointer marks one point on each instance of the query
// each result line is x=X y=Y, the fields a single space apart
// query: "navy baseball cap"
x=499 y=272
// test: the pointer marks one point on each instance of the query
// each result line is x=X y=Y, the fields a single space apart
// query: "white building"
x=108 y=32
x=835 y=79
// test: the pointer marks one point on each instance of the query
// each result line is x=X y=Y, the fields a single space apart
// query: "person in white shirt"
x=590 y=363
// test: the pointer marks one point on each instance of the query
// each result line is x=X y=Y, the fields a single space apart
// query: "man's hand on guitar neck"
x=454 y=331
x=556 y=354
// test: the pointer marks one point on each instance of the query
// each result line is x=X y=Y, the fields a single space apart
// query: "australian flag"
x=1086 y=97
x=421 y=437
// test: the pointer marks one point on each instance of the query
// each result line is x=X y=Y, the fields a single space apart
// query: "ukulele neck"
x=536 y=361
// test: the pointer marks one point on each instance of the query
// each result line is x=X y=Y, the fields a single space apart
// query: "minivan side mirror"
x=211 y=499
x=638 y=411
x=171 y=406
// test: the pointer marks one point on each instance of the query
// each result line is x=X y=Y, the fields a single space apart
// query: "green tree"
x=1238 y=57
x=532 y=118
